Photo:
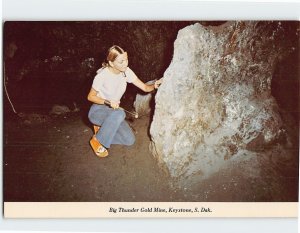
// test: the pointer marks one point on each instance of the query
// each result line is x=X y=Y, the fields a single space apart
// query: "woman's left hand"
x=157 y=83
x=149 y=86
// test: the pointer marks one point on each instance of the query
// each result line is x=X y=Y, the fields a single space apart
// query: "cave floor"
x=48 y=158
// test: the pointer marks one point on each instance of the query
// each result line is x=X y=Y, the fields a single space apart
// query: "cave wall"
x=215 y=104
x=50 y=63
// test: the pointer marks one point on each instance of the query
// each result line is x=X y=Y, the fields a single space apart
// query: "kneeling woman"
x=107 y=90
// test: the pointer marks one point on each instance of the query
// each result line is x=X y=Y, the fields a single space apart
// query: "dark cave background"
x=47 y=63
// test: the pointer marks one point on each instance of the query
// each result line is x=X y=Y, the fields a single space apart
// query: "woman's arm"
x=92 y=96
x=145 y=87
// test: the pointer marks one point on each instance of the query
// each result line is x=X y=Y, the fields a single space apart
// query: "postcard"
x=150 y=118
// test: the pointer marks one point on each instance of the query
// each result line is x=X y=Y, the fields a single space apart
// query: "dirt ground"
x=48 y=158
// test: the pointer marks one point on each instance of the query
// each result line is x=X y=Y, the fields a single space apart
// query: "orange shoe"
x=96 y=129
x=98 y=148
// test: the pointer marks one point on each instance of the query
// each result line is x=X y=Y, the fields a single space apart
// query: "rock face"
x=215 y=103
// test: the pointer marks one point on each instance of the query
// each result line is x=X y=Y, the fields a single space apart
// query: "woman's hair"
x=112 y=54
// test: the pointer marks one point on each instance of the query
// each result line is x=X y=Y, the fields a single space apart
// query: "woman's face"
x=121 y=62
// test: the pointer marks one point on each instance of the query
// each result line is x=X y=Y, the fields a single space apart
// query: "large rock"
x=215 y=103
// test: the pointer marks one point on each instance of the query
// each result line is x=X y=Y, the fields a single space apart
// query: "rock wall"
x=215 y=104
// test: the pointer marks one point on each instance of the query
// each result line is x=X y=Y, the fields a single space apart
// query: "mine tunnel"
x=52 y=64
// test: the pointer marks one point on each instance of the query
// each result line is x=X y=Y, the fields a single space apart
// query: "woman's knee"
x=94 y=118
x=130 y=140
x=97 y=114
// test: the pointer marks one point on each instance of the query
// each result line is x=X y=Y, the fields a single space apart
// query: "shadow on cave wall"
x=285 y=84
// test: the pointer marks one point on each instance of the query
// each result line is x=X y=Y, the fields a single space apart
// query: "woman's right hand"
x=114 y=104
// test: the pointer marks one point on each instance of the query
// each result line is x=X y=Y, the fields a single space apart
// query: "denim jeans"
x=114 y=129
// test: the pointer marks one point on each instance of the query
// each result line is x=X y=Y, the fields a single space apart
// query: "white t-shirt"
x=112 y=86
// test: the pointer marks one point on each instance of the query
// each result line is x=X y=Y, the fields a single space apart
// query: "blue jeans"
x=114 y=129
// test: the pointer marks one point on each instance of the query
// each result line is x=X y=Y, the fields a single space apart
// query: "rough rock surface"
x=215 y=104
